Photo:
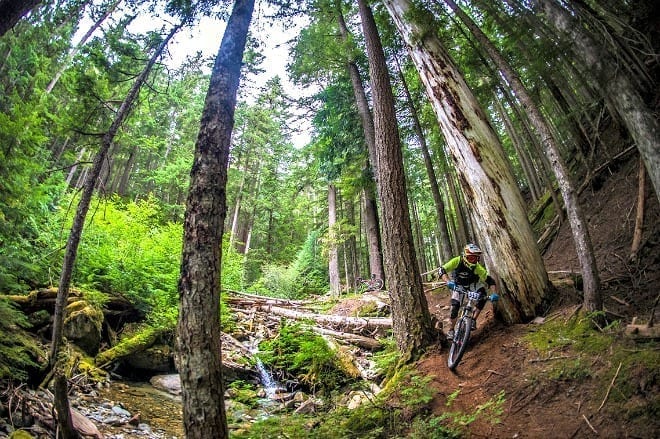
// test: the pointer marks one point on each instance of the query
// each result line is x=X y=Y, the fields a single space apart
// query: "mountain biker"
x=467 y=271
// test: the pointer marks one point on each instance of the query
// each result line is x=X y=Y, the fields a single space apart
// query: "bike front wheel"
x=459 y=343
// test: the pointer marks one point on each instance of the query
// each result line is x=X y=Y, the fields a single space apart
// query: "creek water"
x=161 y=410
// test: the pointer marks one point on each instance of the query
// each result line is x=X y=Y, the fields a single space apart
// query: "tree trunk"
x=577 y=221
x=122 y=187
x=491 y=191
x=370 y=207
x=75 y=234
x=198 y=342
x=441 y=220
x=411 y=320
x=83 y=40
x=11 y=11
x=333 y=255
x=640 y=121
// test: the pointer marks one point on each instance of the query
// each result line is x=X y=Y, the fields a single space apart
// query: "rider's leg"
x=480 y=305
x=453 y=315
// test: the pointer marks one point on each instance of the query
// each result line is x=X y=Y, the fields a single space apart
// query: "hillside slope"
x=574 y=386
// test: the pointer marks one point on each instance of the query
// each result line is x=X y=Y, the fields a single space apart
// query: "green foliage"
x=578 y=347
x=417 y=394
x=580 y=334
x=303 y=355
x=307 y=275
x=491 y=411
x=18 y=353
x=243 y=392
x=128 y=249
x=432 y=428
x=387 y=358
x=311 y=268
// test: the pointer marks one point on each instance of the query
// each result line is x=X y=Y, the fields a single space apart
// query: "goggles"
x=472 y=259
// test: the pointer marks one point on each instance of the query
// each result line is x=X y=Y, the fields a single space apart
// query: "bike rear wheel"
x=459 y=343
x=375 y=285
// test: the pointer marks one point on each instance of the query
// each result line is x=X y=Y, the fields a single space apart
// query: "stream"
x=127 y=409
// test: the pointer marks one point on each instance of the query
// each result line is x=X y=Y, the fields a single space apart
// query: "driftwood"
x=242 y=299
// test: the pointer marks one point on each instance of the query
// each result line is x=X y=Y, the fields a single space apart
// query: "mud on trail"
x=500 y=359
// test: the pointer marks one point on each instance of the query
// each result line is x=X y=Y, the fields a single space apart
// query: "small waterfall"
x=270 y=386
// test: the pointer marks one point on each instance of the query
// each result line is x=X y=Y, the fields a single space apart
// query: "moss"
x=631 y=371
x=141 y=340
x=20 y=434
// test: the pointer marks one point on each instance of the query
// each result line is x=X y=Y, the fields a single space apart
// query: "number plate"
x=473 y=295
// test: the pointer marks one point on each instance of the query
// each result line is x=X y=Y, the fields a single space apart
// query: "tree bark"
x=491 y=192
x=75 y=234
x=11 y=11
x=198 y=342
x=441 y=220
x=333 y=254
x=370 y=206
x=411 y=320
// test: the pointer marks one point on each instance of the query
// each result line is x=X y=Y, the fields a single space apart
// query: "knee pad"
x=454 y=308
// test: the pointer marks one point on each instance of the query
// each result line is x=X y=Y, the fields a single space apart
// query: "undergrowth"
x=625 y=372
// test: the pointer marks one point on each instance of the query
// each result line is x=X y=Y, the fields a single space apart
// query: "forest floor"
x=500 y=359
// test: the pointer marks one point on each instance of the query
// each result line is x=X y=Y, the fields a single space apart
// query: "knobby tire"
x=459 y=343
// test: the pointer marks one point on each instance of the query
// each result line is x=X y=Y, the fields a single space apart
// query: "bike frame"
x=468 y=303
x=371 y=284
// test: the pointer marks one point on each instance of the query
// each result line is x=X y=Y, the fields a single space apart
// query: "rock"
x=169 y=383
x=158 y=358
x=83 y=326
x=308 y=407
x=117 y=410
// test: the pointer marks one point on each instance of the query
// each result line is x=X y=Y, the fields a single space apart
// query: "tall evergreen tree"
x=411 y=321
x=198 y=332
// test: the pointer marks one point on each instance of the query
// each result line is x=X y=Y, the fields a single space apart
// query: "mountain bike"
x=463 y=325
x=372 y=284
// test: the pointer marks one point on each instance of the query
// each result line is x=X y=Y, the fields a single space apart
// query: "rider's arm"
x=481 y=271
x=450 y=265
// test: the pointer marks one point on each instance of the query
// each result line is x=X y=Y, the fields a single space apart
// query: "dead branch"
x=539 y=360
x=357 y=325
x=620 y=301
x=639 y=218
x=589 y=424
x=609 y=389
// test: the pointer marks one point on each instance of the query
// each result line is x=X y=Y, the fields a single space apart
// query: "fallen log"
x=358 y=340
x=357 y=325
x=345 y=359
x=240 y=297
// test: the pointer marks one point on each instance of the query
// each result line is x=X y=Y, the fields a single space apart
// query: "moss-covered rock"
x=82 y=326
